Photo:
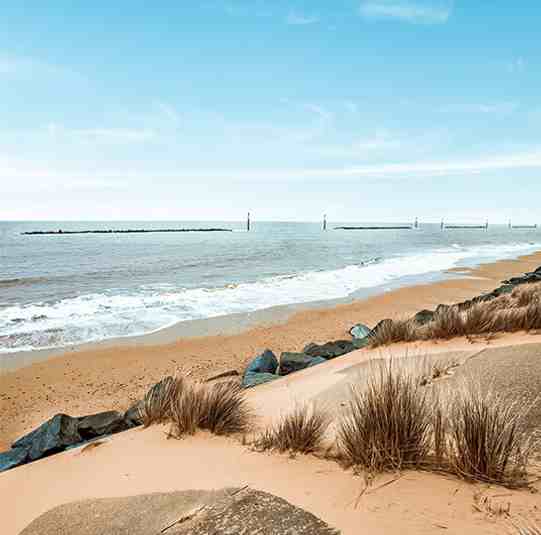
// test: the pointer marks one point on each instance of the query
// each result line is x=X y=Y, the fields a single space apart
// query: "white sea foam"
x=111 y=314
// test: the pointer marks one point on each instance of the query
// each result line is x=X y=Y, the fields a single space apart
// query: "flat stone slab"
x=222 y=512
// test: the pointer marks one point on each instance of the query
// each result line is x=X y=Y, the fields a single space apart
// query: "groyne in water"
x=373 y=228
x=61 y=232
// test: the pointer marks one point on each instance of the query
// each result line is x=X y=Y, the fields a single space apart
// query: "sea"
x=63 y=290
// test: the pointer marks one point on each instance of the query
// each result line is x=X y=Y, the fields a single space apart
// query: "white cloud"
x=168 y=111
x=301 y=19
x=413 y=11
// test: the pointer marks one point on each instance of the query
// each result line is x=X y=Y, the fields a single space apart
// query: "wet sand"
x=111 y=376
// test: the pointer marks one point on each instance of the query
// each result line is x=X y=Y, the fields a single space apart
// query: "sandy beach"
x=104 y=377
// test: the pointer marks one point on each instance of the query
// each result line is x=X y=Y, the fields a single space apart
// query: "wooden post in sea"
x=442 y=225
x=248 y=223
x=325 y=222
x=416 y=224
x=510 y=225
x=486 y=226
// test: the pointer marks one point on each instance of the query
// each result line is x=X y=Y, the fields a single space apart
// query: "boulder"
x=330 y=350
x=251 y=379
x=189 y=512
x=293 y=362
x=264 y=363
x=134 y=416
x=12 y=458
x=423 y=317
x=361 y=332
x=103 y=423
x=50 y=437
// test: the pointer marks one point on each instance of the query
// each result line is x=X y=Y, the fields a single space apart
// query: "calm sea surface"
x=61 y=290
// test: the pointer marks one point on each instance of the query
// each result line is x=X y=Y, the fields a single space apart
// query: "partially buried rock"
x=224 y=512
x=252 y=379
x=134 y=415
x=266 y=362
x=12 y=458
x=361 y=332
x=294 y=362
x=103 y=423
x=50 y=437
x=330 y=350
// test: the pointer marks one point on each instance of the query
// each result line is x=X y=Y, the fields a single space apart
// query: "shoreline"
x=112 y=376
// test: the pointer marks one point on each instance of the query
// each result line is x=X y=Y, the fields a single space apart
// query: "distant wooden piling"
x=325 y=222
x=248 y=223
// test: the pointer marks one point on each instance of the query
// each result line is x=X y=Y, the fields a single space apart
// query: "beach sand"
x=105 y=377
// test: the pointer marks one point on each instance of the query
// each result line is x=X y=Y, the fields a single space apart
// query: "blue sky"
x=363 y=109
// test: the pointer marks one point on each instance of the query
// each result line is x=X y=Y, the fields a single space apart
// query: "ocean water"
x=62 y=290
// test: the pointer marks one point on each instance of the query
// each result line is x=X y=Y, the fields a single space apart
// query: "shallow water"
x=62 y=290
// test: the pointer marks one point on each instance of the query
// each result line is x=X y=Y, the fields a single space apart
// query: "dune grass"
x=389 y=424
x=300 y=431
x=395 y=422
x=219 y=408
x=518 y=311
x=484 y=437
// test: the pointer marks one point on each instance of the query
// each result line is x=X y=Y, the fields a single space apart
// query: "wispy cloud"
x=412 y=11
x=301 y=19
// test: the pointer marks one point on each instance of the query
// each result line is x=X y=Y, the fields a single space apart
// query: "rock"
x=50 y=437
x=134 y=416
x=223 y=375
x=361 y=332
x=251 y=379
x=293 y=362
x=264 y=363
x=193 y=512
x=423 y=317
x=330 y=350
x=103 y=423
x=12 y=458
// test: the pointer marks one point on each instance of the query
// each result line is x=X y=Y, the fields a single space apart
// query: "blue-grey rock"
x=103 y=423
x=252 y=379
x=12 y=458
x=264 y=363
x=50 y=437
x=360 y=331
x=293 y=362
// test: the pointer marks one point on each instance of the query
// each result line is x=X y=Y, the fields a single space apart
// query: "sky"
x=366 y=110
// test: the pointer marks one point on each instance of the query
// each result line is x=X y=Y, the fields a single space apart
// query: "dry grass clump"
x=220 y=408
x=157 y=401
x=525 y=527
x=518 y=311
x=301 y=431
x=390 y=332
x=389 y=426
x=482 y=437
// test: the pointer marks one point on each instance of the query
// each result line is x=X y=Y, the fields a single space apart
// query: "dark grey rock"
x=330 y=350
x=103 y=423
x=423 y=317
x=293 y=362
x=264 y=363
x=134 y=415
x=50 y=437
x=194 y=512
x=12 y=458
x=252 y=379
